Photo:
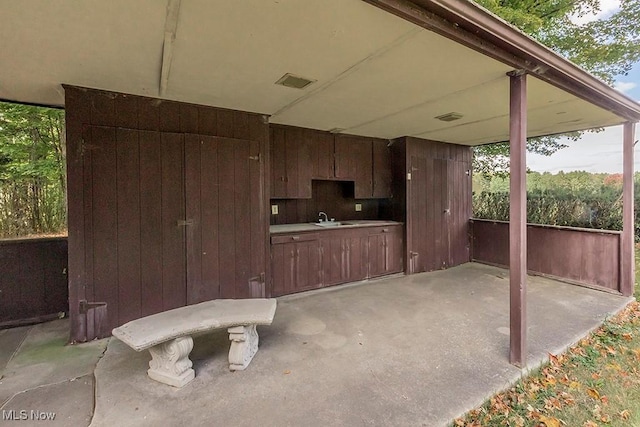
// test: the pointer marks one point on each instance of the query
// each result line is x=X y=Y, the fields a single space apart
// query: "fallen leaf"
x=592 y=392
x=575 y=385
x=287 y=372
x=627 y=336
x=550 y=421
x=625 y=415
x=589 y=424
x=604 y=399
x=606 y=418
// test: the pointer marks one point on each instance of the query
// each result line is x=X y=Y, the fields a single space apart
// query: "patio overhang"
x=375 y=73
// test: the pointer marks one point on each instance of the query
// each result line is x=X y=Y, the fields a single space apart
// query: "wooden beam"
x=518 y=218
x=170 y=28
x=627 y=261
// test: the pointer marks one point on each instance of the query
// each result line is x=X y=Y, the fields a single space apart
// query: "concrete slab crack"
x=95 y=381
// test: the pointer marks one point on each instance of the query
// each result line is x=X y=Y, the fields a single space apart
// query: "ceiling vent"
x=449 y=117
x=296 y=82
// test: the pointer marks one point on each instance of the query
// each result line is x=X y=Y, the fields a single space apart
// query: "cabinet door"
x=376 y=264
x=395 y=248
x=283 y=269
x=385 y=251
x=354 y=162
x=278 y=164
x=290 y=160
x=381 y=169
x=333 y=253
x=322 y=154
x=307 y=266
x=355 y=259
x=298 y=150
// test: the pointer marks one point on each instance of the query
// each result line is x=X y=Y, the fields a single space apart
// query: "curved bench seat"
x=167 y=335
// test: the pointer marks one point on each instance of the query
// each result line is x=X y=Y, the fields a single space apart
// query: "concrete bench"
x=167 y=335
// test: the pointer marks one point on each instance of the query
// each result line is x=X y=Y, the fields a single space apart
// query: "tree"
x=32 y=170
x=606 y=47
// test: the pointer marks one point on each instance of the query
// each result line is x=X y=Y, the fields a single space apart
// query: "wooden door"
x=170 y=219
x=222 y=199
x=428 y=239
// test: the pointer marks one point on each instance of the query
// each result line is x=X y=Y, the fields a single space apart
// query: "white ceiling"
x=377 y=75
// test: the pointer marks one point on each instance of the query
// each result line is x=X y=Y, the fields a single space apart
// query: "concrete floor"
x=415 y=350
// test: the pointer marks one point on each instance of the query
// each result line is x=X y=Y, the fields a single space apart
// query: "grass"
x=595 y=383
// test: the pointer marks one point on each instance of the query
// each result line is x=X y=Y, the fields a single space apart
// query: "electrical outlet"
x=274 y=209
x=358 y=207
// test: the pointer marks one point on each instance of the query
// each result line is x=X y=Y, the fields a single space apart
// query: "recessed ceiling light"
x=449 y=117
x=296 y=82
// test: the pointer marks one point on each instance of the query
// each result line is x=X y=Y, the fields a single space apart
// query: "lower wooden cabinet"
x=295 y=263
x=306 y=261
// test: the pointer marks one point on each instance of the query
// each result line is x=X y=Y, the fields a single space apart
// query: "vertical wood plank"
x=189 y=118
x=126 y=111
x=227 y=220
x=103 y=108
x=193 y=207
x=225 y=123
x=87 y=190
x=242 y=217
x=77 y=112
x=151 y=232
x=105 y=222
x=169 y=116
x=149 y=114
x=258 y=176
x=173 y=235
x=209 y=218
x=128 y=202
x=207 y=121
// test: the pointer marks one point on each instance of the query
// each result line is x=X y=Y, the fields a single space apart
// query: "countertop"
x=310 y=226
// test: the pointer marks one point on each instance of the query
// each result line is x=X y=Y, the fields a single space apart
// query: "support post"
x=627 y=261
x=518 y=218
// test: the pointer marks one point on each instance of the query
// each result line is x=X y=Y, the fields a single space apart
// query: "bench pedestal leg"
x=170 y=362
x=244 y=345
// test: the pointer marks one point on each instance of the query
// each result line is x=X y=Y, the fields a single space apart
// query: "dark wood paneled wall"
x=589 y=257
x=33 y=278
x=126 y=174
x=336 y=198
x=435 y=202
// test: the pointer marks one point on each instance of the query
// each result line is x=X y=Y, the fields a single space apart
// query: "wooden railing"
x=33 y=279
x=578 y=255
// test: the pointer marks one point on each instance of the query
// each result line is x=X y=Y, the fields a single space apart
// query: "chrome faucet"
x=326 y=218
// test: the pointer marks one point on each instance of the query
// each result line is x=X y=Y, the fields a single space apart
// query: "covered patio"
x=404 y=350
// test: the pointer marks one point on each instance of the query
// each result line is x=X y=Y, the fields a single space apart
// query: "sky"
x=595 y=152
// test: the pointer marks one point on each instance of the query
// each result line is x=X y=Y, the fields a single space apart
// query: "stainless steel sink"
x=328 y=223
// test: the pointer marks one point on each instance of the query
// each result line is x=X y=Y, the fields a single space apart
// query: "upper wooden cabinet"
x=354 y=161
x=290 y=163
x=299 y=155
x=382 y=175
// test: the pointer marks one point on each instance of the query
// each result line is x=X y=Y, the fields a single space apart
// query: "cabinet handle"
x=295 y=237
x=385 y=230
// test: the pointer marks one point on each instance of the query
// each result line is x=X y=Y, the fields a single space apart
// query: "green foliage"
x=574 y=199
x=607 y=47
x=32 y=170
